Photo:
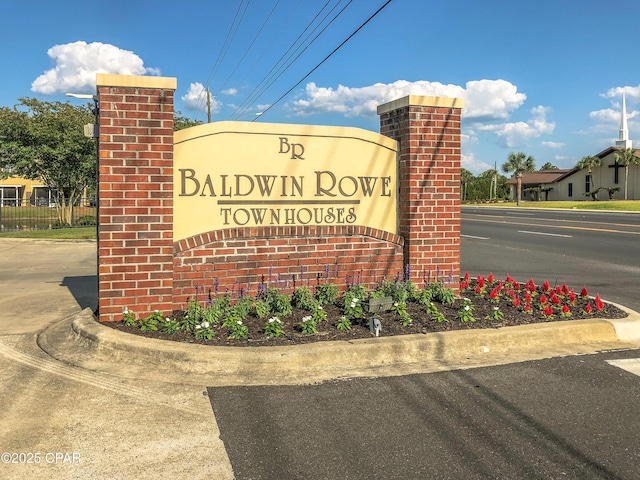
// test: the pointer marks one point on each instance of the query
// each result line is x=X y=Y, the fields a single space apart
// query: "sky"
x=541 y=77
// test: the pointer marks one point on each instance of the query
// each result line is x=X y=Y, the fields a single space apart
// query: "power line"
x=259 y=89
x=288 y=63
x=231 y=34
x=325 y=59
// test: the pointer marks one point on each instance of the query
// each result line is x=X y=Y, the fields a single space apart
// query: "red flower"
x=555 y=300
x=530 y=285
x=559 y=290
x=494 y=293
x=548 y=312
x=543 y=299
x=572 y=297
x=527 y=307
x=478 y=290
x=464 y=285
x=599 y=303
x=527 y=297
x=516 y=286
x=491 y=278
x=565 y=311
x=588 y=308
x=480 y=281
x=583 y=292
x=466 y=276
x=565 y=289
x=516 y=302
x=545 y=286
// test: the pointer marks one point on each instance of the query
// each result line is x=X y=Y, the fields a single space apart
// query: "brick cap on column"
x=112 y=80
x=421 y=101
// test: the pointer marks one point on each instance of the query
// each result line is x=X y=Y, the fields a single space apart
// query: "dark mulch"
x=422 y=323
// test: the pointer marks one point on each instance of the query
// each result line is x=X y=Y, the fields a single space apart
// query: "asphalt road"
x=569 y=418
x=598 y=250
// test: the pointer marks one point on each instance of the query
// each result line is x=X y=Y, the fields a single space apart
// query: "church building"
x=605 y=181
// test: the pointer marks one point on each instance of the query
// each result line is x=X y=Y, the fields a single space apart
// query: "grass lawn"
x=615 y=205
x=80 y=233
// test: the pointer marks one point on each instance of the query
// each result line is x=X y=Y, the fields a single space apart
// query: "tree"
x=549 y=166
x=626 y=157
x=466 y=177
x=589 y=163
x=517 y=164
x=45 y=141
x=180 y=122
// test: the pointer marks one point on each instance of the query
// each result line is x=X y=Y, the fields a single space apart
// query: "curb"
x=87 y=343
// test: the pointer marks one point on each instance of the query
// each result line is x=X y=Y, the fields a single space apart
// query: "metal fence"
x=17 y=215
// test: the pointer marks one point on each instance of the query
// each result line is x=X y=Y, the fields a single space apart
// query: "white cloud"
x=230 y=91
x=484 y=99
x=516 y=134
x=196 y=99
x=76 y=65
x=553 y=144
x=631 y=93
x=476 y=167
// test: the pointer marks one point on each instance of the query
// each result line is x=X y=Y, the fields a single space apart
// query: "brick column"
x=428 y=132
x=135 y=187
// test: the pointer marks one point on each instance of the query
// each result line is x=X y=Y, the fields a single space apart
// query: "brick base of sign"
x=237 y=260
x=138 y=269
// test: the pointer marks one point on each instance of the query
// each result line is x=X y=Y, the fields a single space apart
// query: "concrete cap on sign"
x=112 y=80
x=422 y=101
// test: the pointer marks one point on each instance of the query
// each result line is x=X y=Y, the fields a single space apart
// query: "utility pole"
x=208 y=105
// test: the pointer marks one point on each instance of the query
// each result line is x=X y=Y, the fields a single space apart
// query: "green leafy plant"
x=151 y=322
x=343 y=324
x=327 y=294
x=203 y=331
x=279 y=303
x=308 y=325
x=273 y=327
x=353 y=306
x=129 y=318
x=465 y=314
x=319 y=314
x=495 y=315
x=262 y=308
x=400 y=309
x=303 y=299
x=169 y=326
x=239 y=331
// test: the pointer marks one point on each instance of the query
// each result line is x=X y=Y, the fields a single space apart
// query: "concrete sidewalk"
x=82 y=400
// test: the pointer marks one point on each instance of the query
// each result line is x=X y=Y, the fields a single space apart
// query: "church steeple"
x=623 y=141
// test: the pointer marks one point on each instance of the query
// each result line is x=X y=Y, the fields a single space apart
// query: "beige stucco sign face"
x=240 y=174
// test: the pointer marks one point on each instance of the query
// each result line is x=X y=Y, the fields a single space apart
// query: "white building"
x=578 y=184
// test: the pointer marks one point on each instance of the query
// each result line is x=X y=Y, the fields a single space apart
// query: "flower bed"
x=322 y=313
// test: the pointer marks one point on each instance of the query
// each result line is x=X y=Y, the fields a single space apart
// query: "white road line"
x=631 y=365
x=543 y=233
x=473 y=236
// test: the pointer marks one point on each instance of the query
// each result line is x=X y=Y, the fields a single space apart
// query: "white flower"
x=156 y=311
x=395 y=304
x=126 y=310
x=205 y=324
x=320 y=307
x=466 y=307
x=198 y=327
x=307 y=318
x=167 y=319
x=495 y=308
x=239 y=322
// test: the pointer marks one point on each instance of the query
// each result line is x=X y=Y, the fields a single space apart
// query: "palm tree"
x=549 y=166
x=626 y=157
x=517 y=163
x=589 y=163
x=466 y=177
